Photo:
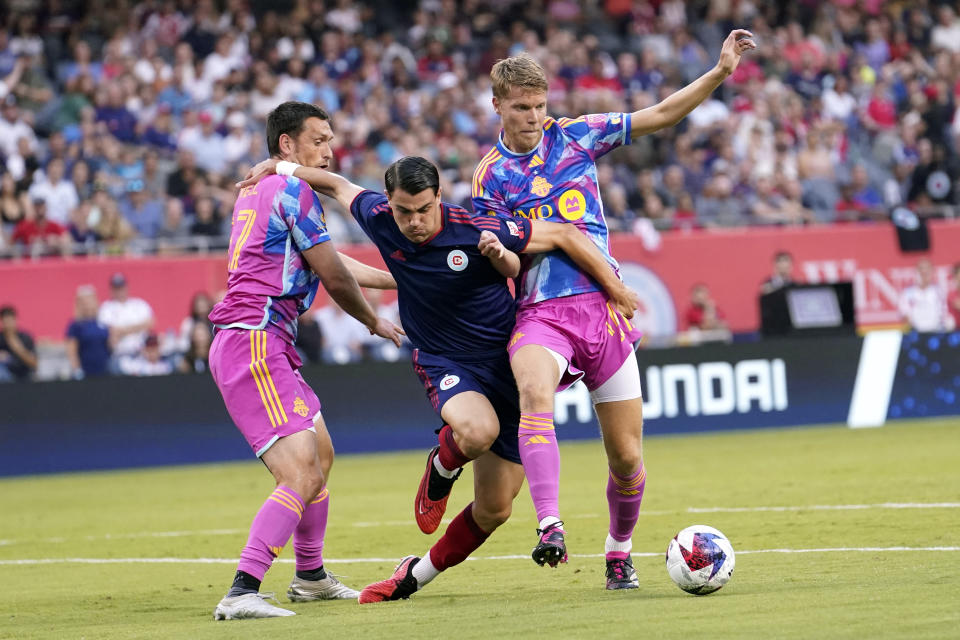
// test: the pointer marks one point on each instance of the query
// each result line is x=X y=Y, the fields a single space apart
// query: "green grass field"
x=891 y=488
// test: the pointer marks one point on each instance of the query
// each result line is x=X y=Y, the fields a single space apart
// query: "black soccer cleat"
x=621 y=574
x=551 y=549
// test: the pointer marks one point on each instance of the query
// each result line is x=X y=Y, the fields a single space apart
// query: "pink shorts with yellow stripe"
x=594 y=338
x=256 y=372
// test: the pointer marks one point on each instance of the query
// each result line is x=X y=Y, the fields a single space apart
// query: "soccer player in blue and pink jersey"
x=451 y=269
x=279 y=254
x=545 y=169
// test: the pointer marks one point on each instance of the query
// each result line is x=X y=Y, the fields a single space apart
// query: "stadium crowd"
x=125 y=124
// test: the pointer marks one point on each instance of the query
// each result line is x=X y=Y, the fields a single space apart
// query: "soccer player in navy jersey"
x=545 y=169
x=455 y=306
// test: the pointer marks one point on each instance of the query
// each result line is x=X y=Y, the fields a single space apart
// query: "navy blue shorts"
x=444 y=378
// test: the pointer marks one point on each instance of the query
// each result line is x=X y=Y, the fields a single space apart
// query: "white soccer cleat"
x=249 y=605
x=328 y=588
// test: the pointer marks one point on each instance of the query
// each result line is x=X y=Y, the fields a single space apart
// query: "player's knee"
x=535 y=395
x=491 y=516
x=476 y=434
x=625 y=462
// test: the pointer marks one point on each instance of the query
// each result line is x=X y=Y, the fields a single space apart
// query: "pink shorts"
x=586 y=330
x=256 y=372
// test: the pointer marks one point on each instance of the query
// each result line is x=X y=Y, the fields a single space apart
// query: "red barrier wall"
x=732 y=263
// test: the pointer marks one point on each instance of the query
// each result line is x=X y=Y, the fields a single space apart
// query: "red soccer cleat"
x=400 y=586
x=431 y=501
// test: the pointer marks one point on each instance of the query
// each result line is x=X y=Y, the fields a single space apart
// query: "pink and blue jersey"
x=555 y=182
x=269 y=283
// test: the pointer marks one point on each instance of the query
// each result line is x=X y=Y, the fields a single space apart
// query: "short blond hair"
x=517 y=71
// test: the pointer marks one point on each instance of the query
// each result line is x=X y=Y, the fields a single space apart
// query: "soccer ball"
x=700 y=559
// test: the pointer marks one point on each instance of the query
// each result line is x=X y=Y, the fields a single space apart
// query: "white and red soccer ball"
x=700 y=559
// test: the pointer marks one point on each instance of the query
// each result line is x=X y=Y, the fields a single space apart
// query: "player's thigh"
x=471 y=416
x=294 y=462
x=496 y=482
x=537 y=372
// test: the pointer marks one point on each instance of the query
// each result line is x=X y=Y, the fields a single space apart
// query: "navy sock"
x=243 y=583
x=312 y=574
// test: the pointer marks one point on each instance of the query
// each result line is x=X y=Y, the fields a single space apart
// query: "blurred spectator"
x=39 y=235
x=782 y=273
x=924 y=305
x=933 y=178
x=13 y=128
x=200 y=306
x=59 y=193
x=207 y=145
x=343 y=336
x=129 y=319
x=174 y=229
x=148 y=362
x=112 y=228
x=205 y=221
x=703 y=313
x=196 y=358
x=309 y=343
x=953 y=297
x=374 y=349
x=142 y=211
x=80 y=231
x=13 y=205
x=88 y=340
x=18 y=357
x=719 y=207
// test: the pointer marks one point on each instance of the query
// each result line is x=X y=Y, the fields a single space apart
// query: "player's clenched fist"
x=490 y=246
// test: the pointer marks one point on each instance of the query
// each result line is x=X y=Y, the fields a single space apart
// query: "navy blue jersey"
x=452 y=300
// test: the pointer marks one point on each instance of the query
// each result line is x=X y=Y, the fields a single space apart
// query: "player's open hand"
x=259 y=172
x=490 y=245
x=737 y=43
x=386 y=329
x=625 y=300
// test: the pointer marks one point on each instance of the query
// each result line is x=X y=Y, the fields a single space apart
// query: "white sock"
x=547 y=521
x=614 y=545
x=442 y=470
x=424 y=571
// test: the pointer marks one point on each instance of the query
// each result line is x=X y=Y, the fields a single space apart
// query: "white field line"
x=657 y=554
x=582 y=516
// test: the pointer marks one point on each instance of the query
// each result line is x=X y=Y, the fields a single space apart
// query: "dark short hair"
x=288 y=118
x=783 y=254
x=7 y=310
x=413 y=174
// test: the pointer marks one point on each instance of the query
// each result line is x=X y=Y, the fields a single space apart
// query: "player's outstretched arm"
x=676 y=106
x=367 y=276
x=547 y=236
x=343 y=288
x=323 y=181
x=502 y=259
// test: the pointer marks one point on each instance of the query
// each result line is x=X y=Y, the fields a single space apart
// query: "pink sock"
x=624 y=495
x=541 y=462
x=308 y=536
x=270 y=531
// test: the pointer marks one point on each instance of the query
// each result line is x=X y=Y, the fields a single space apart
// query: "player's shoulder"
x=490 y=159
x=371 y=202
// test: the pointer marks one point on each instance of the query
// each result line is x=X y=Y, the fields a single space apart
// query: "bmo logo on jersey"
x=449 y=381
x=457 y=260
